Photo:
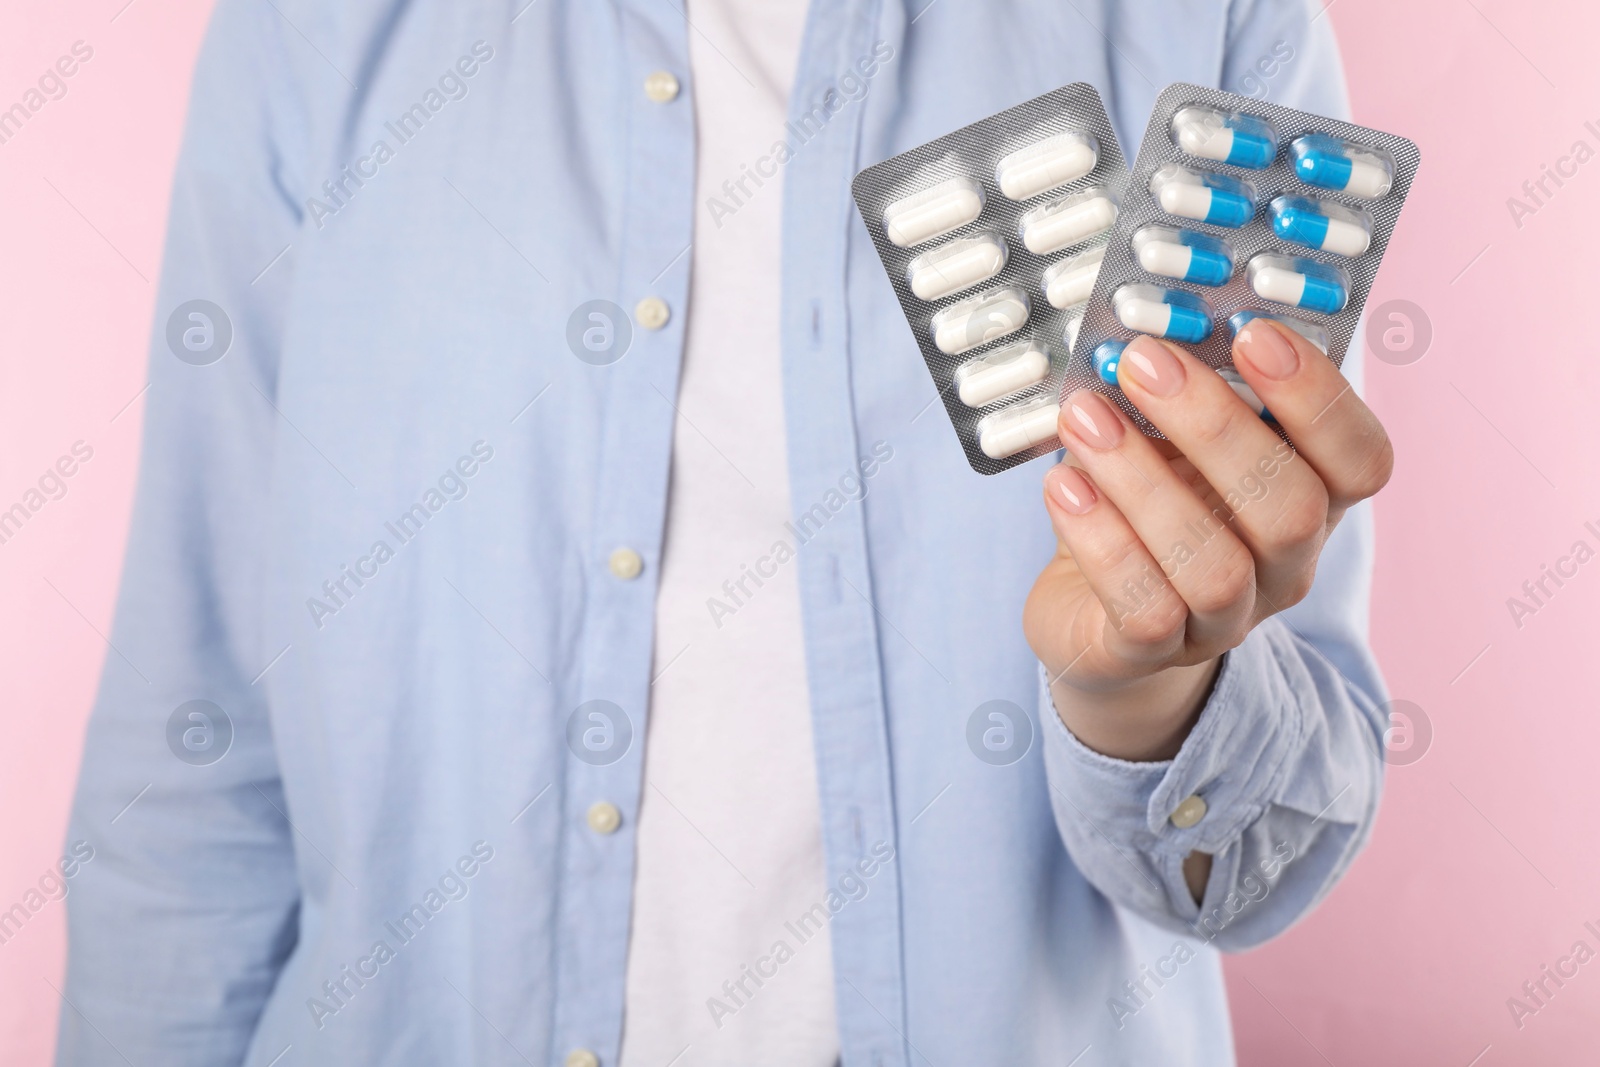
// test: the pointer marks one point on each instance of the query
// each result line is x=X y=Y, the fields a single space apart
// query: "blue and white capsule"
x=1227 y=137
x=1300 y=283
x=1107 y=354
x=1315 y=334
x=1321 y=224
x=1212 y=198
x=1242 y=390
x=1169 y=313
x=1183 y=254
x=1331 y=163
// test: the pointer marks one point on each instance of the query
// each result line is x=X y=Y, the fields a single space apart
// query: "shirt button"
x=582 y=1057
x=661 y=87
x=1189 y=812
x=652 y=312
x=625 y=563
x=604 y=818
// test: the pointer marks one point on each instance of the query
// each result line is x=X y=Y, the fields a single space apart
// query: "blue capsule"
x=1213 y=198
x=1238 y=140
x=1329 y=163
x=1228 y=209
x=1326 y=227
x=1168 y=313
x=1107 y=354
x=1298 y=283
x=1322 y=294
x=1183 y=254
x=1242 y=390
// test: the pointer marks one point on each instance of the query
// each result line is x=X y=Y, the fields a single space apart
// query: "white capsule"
x=1050 y=230
x=932 y=212
x=1280 y=284
x=988 y=378
x=972 y=322
x=1005 y=433
x=957 y=265
x=1045 y=165
x=1071 y=281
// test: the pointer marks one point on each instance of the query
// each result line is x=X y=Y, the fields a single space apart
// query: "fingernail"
x=1265 y=349
x=1153 y=366
x=1071 y=489
x=1091 y=420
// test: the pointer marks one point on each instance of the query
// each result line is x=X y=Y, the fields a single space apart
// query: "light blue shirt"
x=376 y=534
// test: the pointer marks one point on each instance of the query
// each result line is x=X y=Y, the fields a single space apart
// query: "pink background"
x=1483 y=866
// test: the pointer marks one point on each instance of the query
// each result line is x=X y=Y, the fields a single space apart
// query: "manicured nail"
x=1092 y=421
x=1153 y=366
x=1071 y=489
x=1268 y=351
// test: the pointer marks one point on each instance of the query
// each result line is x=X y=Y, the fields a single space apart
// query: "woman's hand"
x=1170 y=553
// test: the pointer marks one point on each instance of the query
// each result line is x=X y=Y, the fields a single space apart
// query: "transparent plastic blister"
x=1069 y=282
x=991 y=237
x=933 y=212
x=997 y=313
x=1237 y=209
x=956 y=265
x=1069 y=220
x=1219 y=199
x=1315 y=334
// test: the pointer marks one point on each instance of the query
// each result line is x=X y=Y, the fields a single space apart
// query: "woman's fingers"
x=1278 y=502
x=1333 y=429
x=1194 y=550
x=1144 y=615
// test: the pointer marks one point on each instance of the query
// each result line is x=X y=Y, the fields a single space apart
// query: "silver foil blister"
x=1171 y=151
x=997 y=347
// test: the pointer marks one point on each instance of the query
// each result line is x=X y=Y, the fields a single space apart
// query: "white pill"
x=1008 y=432
x=988 y=378
x=932 y=212
x=1070 y=282
x=957 y=265
x=1045 y=165
x=972 y=322
x=1280 y=284
x=1050 y=230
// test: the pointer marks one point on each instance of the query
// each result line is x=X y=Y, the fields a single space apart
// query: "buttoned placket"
x=655 y=129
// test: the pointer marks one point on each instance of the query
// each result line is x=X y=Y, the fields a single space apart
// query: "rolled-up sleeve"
x=1282 y=769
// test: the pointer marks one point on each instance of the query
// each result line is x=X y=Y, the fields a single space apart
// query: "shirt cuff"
x=1116 y=816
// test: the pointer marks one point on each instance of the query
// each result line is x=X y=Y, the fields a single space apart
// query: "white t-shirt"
x=729 y=833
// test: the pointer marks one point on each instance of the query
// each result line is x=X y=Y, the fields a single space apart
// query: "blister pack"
x=1237 y=208
x=992 y=236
